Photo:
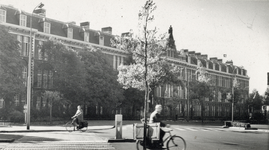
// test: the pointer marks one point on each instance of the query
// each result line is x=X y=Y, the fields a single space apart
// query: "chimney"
x=213 y=58
x=72 y=22
x=204 y=56
x=185 y=51
x=191 y=53
x=125 y=34
x=220 y=60
x=107 y=30
x=85 y=25
x=229 y=63
x=198 y=55
x=40 y=11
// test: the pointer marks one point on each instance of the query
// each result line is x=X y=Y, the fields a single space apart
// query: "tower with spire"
x=171 y=41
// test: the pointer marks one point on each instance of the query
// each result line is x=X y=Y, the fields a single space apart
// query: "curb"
x=7 y=140
x=21 y=131
x=120 y=140
x=242 y=129
x=48 y=130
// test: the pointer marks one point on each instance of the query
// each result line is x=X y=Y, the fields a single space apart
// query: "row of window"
x=216 y=111
x=179 y=91
x=47 y=27
x=171 y=91
x=44 y=78
x=24 y=44
x=215 y=80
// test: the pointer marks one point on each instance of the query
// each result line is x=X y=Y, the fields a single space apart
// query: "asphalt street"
x=198 y=137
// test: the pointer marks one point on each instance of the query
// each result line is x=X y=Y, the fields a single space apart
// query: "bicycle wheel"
x=176 y=143
x=139 y=145
x=69 y=126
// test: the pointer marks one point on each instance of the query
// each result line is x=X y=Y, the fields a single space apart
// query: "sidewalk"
x=259 y=128
x=109 y=129
x=34 y=128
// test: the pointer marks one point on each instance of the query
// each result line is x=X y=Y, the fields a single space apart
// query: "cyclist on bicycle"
x=155 y=117
x=78 y=117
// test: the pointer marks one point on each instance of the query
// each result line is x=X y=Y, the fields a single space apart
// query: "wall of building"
x=222 y=74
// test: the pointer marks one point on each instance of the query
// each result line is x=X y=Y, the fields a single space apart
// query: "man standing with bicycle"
x=78 y=117
x=155 y=117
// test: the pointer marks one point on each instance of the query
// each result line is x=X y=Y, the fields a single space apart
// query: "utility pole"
x=30 y=67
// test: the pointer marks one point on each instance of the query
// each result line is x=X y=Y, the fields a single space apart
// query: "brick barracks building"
x=77 y=37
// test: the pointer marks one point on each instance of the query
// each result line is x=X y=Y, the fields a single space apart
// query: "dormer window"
x=2 y=15
x=23 y=20
x=86 y=36
x=70 y=33
x=46 y=27
x=101 y=40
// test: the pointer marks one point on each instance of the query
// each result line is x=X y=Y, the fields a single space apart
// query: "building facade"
x=23 y=24
x=79 y=36
x=224 y=78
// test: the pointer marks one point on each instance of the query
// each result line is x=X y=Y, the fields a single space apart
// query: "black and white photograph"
x=134 y=75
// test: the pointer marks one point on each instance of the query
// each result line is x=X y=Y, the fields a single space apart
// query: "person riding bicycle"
x=155 y=117
x=78 y=117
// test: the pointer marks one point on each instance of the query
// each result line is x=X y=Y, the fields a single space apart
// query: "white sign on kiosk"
x=118 y=126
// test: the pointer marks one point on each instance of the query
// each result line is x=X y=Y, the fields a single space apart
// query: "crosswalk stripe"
x=199 y=129
x=191 y=129
x=180 y=129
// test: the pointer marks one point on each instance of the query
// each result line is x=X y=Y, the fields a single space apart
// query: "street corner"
x=248 y=130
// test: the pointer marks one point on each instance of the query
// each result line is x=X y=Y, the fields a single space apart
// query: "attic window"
x=101 y=40
x=86 y=36
x=70 y=33
x=23 y=20
x=2 y=15
x=46 y=27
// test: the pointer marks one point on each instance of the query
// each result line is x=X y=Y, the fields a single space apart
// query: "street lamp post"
x=188 y=98
x=233 y=104
x=233 y=86
x=30 y=55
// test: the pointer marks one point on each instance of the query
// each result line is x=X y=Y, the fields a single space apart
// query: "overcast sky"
x=238 y=28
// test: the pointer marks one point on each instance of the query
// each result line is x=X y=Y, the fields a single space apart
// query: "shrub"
x=16 y=116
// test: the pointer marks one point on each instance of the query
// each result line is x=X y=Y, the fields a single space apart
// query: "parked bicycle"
x=83 y=126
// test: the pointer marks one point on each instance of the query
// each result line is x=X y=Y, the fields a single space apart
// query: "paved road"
x=56 y=140
x=203 y=139
x=198 y=137
x=212 y=138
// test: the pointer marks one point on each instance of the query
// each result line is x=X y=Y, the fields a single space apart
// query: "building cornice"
x=211 y=71
x=68 y=41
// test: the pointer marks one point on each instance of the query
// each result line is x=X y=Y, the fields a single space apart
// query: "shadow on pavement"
x=9 y=137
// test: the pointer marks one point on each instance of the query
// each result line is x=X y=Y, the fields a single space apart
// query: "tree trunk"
x=50 y=113
x=202 y=111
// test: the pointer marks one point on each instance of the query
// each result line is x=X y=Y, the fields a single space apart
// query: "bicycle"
x=83 y=126
x=174 y=142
